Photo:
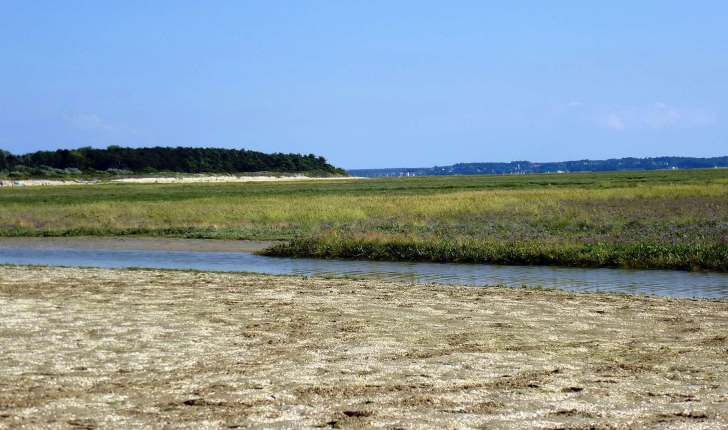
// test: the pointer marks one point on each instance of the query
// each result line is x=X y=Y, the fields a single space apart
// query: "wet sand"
x=139 y=243
x=149 y=348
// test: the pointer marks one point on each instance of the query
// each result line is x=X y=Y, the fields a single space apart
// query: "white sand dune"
x=164 y=180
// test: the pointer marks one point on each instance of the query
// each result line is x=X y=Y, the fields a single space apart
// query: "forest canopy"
x=118 y=160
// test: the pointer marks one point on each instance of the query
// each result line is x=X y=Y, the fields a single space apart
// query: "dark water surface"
x=661 y=282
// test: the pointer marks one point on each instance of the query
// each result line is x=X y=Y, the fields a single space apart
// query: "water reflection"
x=661 y=282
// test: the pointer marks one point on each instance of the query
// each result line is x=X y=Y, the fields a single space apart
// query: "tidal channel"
x=660 y=282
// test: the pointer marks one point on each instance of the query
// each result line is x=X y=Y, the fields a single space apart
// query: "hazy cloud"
x=656 y=116
x=94 y=123
x=613 y=121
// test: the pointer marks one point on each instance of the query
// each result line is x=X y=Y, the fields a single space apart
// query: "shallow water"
x=661 y=282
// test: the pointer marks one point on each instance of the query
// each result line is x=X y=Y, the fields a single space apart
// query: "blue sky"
x=369 y=84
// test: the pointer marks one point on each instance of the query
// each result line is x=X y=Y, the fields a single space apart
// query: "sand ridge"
x=138 y=243
x=166 y=180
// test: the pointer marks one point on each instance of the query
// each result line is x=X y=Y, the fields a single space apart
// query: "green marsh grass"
x=659 y=219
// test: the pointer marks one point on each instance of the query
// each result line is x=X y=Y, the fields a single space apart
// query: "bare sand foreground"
x=87 y=348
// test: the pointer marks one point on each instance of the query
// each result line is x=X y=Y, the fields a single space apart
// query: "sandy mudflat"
x=137 y=243
x=165 y=180
x=145 y=348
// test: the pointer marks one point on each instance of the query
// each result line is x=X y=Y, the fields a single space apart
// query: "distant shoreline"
x=572 y=166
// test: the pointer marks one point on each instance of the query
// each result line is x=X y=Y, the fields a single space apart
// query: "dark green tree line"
x=179 y=159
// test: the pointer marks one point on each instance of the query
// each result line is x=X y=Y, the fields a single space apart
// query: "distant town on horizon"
x=524 y=167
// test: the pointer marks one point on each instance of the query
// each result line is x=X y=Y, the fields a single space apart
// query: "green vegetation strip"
x=657 y=219
x=636 y=256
